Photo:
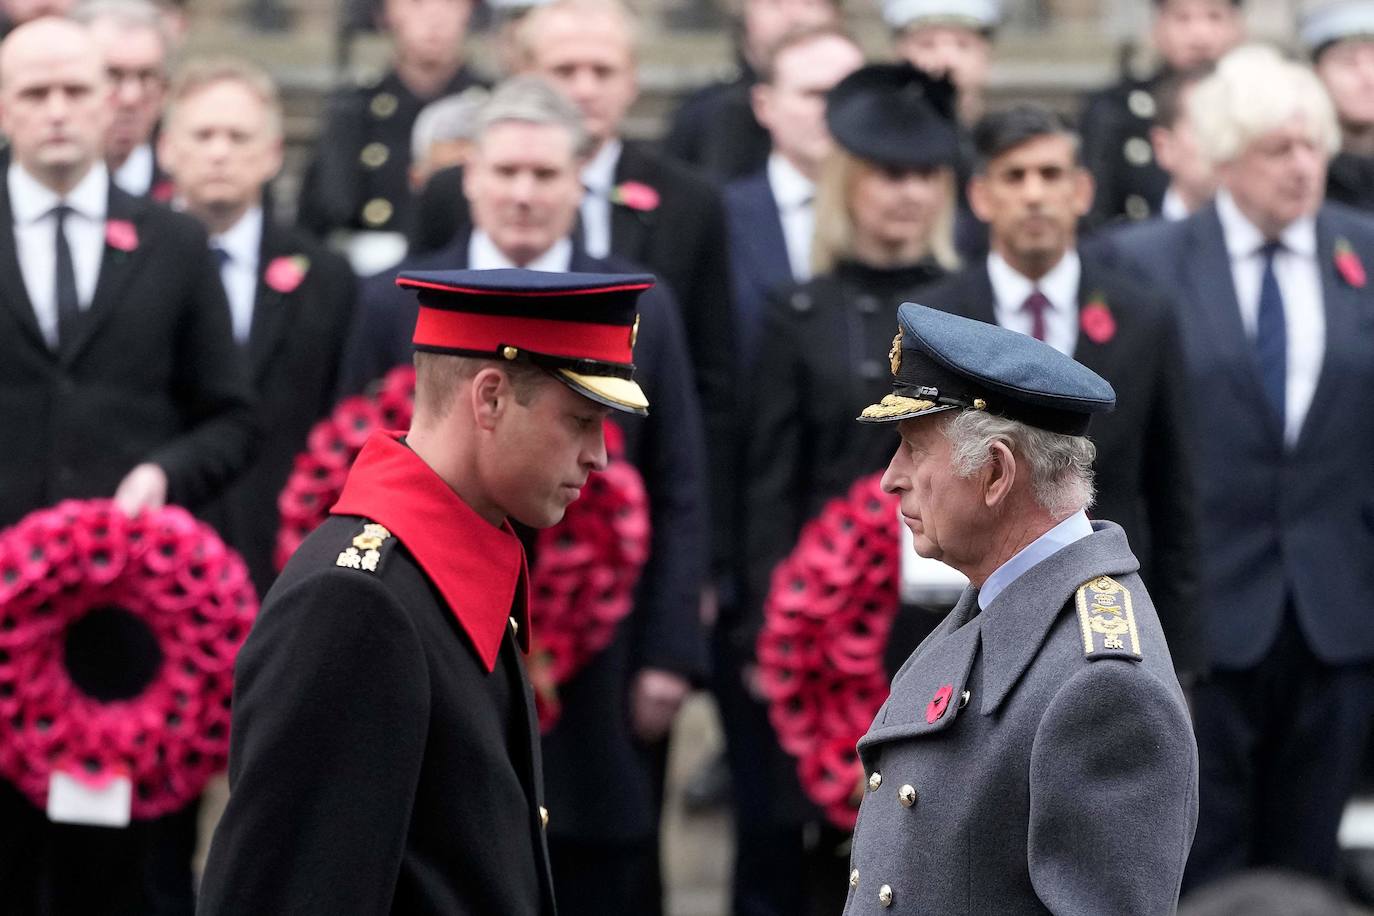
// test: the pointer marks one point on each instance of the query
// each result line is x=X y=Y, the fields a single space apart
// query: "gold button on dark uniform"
x=514 y=626
x=885 y=895
x=1138 y=151
x=1141 y=103
x=383 y=105
x=1137 y=207
x=377 y=211
x=544 y=817
x=854 y=878
x=907 y=796
x=875 y=781
x=375 y=155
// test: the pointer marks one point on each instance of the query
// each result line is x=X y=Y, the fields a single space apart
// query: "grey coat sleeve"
x=1113 y=786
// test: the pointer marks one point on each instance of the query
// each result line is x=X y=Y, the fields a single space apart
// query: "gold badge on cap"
x=383 y=105
x=895 y=354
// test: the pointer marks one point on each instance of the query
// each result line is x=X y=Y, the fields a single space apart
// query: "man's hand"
x=145 y=487
x=654 y=701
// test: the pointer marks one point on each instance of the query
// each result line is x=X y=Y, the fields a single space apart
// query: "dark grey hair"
x=531 y=100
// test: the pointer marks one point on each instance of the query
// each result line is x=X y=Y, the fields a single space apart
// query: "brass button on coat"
x=544 y=817
x=885 y=895
x=875 y=781
x=375 y=155
x=377 y=211
x=514 y=626
x=907 y=796
x=854 y=878
x=383 y=105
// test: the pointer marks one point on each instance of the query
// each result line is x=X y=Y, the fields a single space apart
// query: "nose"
x=895 y=478
x=594 y=456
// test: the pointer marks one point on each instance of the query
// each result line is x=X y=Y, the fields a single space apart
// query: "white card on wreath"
x=79 y=800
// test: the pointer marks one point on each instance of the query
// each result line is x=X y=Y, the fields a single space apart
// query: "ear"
x=275 y=158
x=488 y=397
x=166 y=151
x=978 y=200
x=1083 y=190
x=999 y=475
x=759 y=97
x=1161 y=141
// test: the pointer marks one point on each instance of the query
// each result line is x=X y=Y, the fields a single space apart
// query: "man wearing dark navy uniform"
x=385 y=756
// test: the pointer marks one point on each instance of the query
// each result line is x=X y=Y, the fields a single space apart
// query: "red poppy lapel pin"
x=284 y=274
x=635 y=195
x=121 y=235
x=939 y=704
x=1348 y=264
x=163 y=191
x=1096 y=320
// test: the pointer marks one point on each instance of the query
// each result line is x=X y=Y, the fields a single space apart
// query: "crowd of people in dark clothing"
x=1198 y=237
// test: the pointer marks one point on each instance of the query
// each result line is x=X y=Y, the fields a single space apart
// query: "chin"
x=543 y=519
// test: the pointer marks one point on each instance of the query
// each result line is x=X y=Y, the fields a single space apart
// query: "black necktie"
x=68 y=305
x=1271 y=335
x=220 y=255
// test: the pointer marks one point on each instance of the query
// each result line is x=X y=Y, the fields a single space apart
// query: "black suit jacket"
x=1145 y=466
x=759 y=264
x=151 y=374
x=598 y=775
x=714 y=130
x=1279 y=524
x=295 y=347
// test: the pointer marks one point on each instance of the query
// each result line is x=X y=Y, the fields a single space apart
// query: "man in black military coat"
x=118 y=377
x=290 y=299
x=385 y=756
x=618 y=709
x=358 y=180
x=1031 y=189
x=1115 y=123
x=1339 y=36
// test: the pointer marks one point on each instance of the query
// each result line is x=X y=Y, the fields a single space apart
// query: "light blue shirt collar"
x=1074 y=528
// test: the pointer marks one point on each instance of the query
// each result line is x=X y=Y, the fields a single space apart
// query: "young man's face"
x=539 y=454
x=792 y=106
x=1031 y=197
x=1347 y=70
x=964 y=55
x=1192 y=33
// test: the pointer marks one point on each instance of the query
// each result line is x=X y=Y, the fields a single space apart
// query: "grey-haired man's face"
x=523 y=186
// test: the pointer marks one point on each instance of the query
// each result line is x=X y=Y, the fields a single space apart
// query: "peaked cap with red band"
x=580 y=327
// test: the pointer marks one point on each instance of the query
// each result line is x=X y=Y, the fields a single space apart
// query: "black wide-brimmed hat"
x=894 y=115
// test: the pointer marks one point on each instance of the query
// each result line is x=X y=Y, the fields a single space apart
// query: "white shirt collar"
x=1074 y=528
x=32 y=200
x=790 y=187
x=1172 y=207
x=1244 y=240
x=598 y=175
x=135 y=176
x=484 y=255
x=242 y=240
x=1060 y=285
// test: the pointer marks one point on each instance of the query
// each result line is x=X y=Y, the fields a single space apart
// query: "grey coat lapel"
x=1015 y=625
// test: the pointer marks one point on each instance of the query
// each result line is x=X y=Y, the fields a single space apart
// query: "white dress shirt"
x=598 y=177
x=1172 y=207
x=484 y=255
x=1074 y=528
x=242 y=242
x=35 y=238
x=795 y=195
x=135 y=176
x=1300 y=284
x=1011 y=290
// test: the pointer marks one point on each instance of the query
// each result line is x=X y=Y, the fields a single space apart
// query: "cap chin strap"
x=894 y=405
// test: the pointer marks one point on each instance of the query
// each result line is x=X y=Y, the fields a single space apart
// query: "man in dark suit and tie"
x=118 y=377
x=1030 y=187
x=523 y=191
x=290 y=299
x=1275 y=307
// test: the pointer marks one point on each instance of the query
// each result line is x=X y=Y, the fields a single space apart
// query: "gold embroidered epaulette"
x=1107 y=620
x=366 y=552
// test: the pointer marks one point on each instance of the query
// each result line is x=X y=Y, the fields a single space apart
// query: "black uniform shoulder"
x=685 y=184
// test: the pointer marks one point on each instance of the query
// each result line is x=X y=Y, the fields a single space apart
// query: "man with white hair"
x=1274 y=305
x=1035 y=753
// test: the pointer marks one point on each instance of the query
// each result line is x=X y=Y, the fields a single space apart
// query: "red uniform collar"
x=479 y=569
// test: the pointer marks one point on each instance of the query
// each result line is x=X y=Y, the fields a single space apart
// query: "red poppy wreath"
x=827 y=618
x=586 y=567
x=71 y=578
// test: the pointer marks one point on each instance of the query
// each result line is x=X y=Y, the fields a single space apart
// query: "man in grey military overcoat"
x=1035 y=754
